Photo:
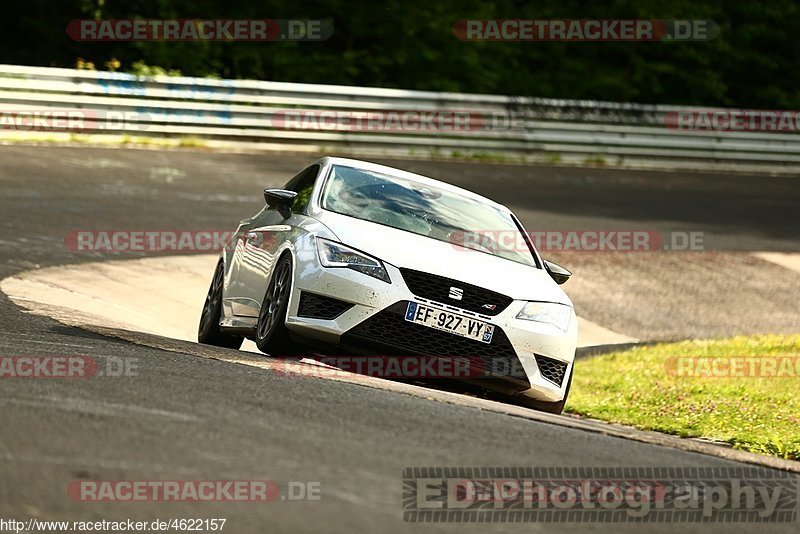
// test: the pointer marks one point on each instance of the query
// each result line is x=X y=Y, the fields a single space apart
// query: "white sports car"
x=359 y=258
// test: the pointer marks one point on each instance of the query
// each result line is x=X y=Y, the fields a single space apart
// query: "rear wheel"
x=543 y=406
x=209 y=332
x=272 y=336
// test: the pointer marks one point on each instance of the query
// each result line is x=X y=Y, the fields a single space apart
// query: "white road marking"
x=142 y=295
x=784 y=259
x=95 y=407
x=5 y=343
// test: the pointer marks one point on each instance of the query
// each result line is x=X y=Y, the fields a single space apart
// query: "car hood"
x=412 y=251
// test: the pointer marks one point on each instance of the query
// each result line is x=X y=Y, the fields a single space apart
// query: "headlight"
x=557 y=315
x=333 y=254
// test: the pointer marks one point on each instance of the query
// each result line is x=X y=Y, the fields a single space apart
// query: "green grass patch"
x=550 y=157
x=744 y=391
x=596 y=160
x=191 y=142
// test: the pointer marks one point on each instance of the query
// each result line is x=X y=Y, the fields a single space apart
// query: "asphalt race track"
x=184 y=417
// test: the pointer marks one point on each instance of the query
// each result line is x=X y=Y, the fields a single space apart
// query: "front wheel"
x=209 y=332
x=272 y=336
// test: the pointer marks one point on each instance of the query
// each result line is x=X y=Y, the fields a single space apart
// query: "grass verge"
x=744 y=391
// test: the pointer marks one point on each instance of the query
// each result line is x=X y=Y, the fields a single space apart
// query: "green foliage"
x=410 y=44
x=140 y=68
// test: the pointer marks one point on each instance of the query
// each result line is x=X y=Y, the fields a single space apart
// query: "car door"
x=259 y=240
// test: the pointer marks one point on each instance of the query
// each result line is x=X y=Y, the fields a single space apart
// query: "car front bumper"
x=525 y=357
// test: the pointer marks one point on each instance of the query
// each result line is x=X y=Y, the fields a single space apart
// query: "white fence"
x=259 y=114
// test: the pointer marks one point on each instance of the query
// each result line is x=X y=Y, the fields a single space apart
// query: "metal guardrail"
x=253 y=113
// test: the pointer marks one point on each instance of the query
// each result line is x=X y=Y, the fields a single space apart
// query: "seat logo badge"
x=456 y=293
x=489 y=306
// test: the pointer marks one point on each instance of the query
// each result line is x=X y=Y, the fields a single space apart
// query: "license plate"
x=459 y=325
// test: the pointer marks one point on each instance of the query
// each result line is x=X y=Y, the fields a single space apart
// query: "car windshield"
x=425 y=210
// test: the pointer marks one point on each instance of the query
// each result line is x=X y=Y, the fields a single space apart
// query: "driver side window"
x=303 y=185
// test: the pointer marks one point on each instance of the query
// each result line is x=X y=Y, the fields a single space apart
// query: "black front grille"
x=552 y=370
x=388 y=333
x=437 y=288
x=321 y=307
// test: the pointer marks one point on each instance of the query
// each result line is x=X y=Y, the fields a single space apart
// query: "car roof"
x=392 y=171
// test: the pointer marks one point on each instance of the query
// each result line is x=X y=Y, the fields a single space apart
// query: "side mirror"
x=557 y=272
x=280 y=200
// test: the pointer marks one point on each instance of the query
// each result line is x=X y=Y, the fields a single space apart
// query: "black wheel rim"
x=277 y=293
x=212 y=299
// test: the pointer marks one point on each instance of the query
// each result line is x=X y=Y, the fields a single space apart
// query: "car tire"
x=208 y=332
x=272 y=336
x=543 y=406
